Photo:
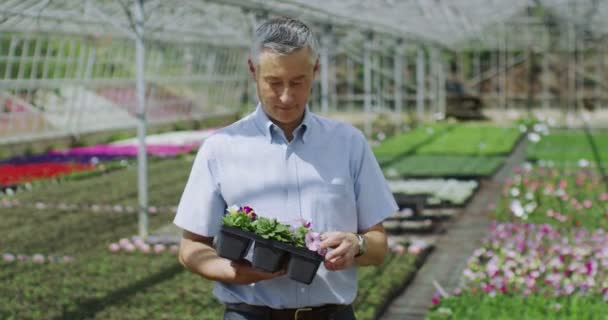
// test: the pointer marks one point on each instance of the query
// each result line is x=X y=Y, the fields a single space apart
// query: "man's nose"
x=286 y=96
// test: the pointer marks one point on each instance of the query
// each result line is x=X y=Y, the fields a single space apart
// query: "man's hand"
x=345 y=247
x=241 y=272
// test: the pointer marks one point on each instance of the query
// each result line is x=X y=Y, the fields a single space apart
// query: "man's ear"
x=251 y=68
x=316 y=67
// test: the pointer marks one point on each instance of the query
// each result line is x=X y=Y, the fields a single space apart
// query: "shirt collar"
x=267 y=126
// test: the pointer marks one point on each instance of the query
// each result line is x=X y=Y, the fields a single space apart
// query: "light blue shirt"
x=327 y=175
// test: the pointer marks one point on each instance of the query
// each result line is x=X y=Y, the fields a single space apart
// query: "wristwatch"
x=362 y=244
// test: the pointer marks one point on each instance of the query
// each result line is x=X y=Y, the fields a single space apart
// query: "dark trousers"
x=344 y=314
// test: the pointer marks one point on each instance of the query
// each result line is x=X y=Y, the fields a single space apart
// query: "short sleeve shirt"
x=327 y=175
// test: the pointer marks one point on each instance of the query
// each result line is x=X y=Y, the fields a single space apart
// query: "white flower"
x=583 y=163
x=529 y=195
x=527 y=167
x=529 y=208
x=514 y=192
x=522 y=128
x=534 y=137
x=392 y=172
x=381 y=136
x=233 y=209
x=516 y=208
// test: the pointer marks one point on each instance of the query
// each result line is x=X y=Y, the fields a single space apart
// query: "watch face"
x=362 y=244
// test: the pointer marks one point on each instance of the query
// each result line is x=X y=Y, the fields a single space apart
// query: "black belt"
x=312 y=313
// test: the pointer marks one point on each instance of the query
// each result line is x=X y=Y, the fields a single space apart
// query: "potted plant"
x=305 y=254
x=235 y=235
x=268 y=255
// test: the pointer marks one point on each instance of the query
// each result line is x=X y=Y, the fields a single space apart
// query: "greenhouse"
x=487 y=119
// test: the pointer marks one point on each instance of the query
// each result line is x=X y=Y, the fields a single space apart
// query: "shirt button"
x=302 y=290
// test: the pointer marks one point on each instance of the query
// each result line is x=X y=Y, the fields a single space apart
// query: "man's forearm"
x=203 y=260
x=377 y=248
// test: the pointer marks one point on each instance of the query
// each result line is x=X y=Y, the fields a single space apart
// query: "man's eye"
x=275 y=83
x=296 y=83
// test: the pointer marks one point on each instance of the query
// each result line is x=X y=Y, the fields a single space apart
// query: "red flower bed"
x=15 y=174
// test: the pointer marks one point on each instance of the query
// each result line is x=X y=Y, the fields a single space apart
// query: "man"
x=290 y=164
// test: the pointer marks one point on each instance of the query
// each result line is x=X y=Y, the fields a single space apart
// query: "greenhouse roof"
x=455 y=24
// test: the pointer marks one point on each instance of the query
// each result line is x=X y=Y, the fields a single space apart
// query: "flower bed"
x=119 y=186
x=126 y=150
x=17 y=174
x=553 y=269
x=563 y=272
x=561 y=197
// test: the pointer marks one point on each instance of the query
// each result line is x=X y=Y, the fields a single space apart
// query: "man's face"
x=283 y=84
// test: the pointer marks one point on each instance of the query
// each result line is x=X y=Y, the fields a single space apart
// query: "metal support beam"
x=350 y=82
x=367 y=82
x=398 y=81
x=420 y=91
x=142 y=161
x=325 y=45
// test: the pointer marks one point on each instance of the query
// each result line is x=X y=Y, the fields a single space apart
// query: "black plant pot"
x=233 y=243
x=303 y=263
x=268 y=256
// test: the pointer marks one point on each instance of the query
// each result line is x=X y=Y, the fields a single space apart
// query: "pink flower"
x=124 y=242
x=38 y=258
x=587 y=204
x=114 y=247
x=604 y=197
x=313 y=243
x=8 y=257
x=158 y=248
x=415 y=250
x=487 y=288
x=129 y=247
x=247 y=209
x=145 y=248
x=435 y=300
x=503 y=288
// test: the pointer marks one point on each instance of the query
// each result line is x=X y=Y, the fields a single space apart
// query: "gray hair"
x=283 y=36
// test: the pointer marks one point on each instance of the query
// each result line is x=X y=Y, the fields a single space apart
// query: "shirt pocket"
x=334 y=207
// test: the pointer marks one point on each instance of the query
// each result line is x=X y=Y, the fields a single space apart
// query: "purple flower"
x=247 y=209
